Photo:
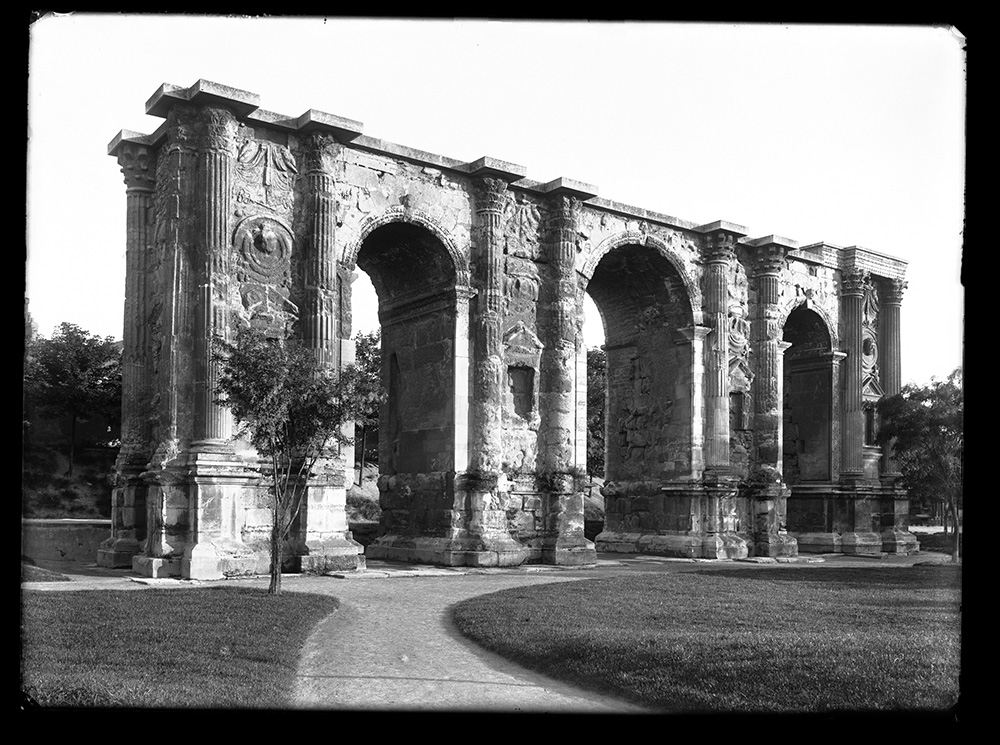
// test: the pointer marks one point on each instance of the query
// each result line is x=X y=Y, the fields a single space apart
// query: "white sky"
x=846 y=134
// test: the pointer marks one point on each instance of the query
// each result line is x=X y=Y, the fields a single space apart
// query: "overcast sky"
x=845 y=134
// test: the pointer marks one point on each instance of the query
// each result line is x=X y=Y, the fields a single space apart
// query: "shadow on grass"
x=936 y=577
x=776 y=639
x=212 y=647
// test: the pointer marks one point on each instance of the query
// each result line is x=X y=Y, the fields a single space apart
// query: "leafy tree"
x=74 y=374
x=597 y=390
x=368 y=360
x=923 y=427
x=293 y=410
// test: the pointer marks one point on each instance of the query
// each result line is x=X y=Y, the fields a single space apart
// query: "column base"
x=819 y=543
x=896 y=541
x=570 y=553
x=679 y=545
x=862 y=544
x=332 y=555
x=152 y=566
x=117 y=553
x=725 y=546
x=451 y=552
x=776 y=545
x=201 y=562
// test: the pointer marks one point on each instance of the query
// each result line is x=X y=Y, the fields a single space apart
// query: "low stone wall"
x=63 y=540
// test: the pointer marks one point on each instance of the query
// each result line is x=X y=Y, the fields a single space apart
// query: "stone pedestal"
x=445 y=520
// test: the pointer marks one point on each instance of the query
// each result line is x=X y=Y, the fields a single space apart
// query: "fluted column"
x=138 y=166
x=128 y=505
x=769 y=260
x=852 y=428
x=558 y=357
x=718 y=256
x=486 y=451
x=563 y=540
x=212 y=422
x=890 y=349
x=770 y=492
x=319 y=317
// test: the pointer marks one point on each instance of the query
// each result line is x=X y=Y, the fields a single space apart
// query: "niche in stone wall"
x=521 y=420
x=521 y=384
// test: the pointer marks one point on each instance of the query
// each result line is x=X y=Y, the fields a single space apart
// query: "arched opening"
x=808 y=399
x=414 y=279
x=643 y=303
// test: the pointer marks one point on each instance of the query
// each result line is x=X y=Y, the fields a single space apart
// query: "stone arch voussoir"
x=831 y=327
x=413 y=217
x=637 y=238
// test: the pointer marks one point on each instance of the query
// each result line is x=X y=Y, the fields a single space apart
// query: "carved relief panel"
x=263 y=241
x=871 y=385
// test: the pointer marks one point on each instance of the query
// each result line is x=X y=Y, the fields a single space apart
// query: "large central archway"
x=423 y=311
x=645 y=308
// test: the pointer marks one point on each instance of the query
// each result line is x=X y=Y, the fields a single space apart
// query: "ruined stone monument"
x=742 y=372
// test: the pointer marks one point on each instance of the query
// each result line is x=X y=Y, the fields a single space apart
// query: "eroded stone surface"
x=741 y=371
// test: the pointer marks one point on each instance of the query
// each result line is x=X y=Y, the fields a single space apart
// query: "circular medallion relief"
x=264 y=245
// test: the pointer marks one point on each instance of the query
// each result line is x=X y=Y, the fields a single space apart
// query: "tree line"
x=294 y=410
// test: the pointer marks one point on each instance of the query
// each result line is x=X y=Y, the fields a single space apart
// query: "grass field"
x=219 y=648
x=778 y=639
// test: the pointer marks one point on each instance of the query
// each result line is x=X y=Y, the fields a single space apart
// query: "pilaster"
x=321 y=301
x=212 y=421
x=563 y=540
x=717 y=256
x=486 y=449
x=128 y=519
x=894 y=504
x=769 y=492
x=853 y=285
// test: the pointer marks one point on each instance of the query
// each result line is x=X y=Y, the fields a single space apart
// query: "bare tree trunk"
x=361 y=471
x=958 y=536
x=275 y=587
x=72 y=443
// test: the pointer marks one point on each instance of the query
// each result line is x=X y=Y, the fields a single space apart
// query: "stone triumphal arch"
x=742 y=372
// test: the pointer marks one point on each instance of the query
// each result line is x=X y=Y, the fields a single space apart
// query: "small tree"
x=74 y=374
x=293 y=410
x=597 y=391
x=368 y=360
x=923 y=426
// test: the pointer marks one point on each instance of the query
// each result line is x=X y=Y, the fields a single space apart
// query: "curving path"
x=392 y=645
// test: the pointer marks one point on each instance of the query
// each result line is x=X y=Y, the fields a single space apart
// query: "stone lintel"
x=202 y=93
x=774 y=240
x=495 y=168
x=627 y=210
x=873 y=262
x=724 y=226
x=569 y=188
x=343 y=129
x=127 y=135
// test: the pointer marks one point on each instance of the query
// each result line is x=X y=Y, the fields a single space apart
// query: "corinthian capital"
x=892 y=292
x=217 y=130
x=719 y=247
x=319 y=151
x=491 y=194
x=854 y=282
x=138 y=166
x=564 y=210
x=768 y=259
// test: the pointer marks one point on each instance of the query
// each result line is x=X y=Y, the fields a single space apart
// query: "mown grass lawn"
x=743 y=640
x=218 y=647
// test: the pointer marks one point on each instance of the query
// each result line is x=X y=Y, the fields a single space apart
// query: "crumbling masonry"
x=742 y=372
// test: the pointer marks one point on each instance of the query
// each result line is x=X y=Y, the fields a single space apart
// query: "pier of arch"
x=741 y=371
